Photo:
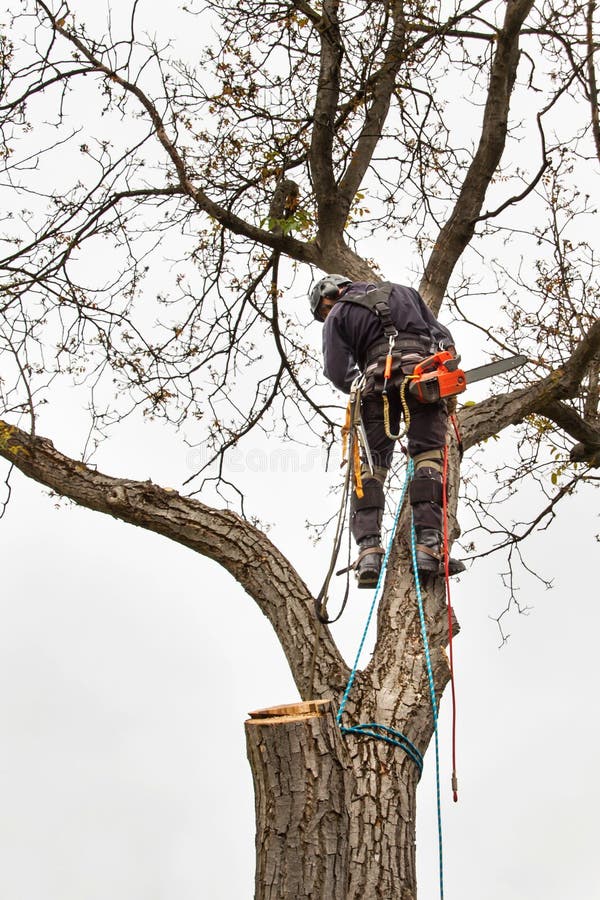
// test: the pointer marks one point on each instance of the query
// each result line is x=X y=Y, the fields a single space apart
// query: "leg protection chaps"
x=366 y=513
x=426 y=497
x=425 y=493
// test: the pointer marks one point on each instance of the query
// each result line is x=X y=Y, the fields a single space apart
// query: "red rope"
x=449 y=606
x=454 y=421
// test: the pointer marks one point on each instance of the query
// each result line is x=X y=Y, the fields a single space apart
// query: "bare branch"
x=458 y=230
x=243 y=550
x=328 y=89
x=290 y=246
x=382 y=92
x=592 y=85
x=491 y=416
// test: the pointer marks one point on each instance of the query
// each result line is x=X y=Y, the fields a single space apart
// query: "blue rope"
x=381 y=732
x=384 y=732
x=390 y=736
x=434 y=706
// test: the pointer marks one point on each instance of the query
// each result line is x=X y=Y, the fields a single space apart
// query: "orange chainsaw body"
x=437 y=377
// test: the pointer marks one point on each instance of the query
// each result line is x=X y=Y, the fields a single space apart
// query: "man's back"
x=350 y=329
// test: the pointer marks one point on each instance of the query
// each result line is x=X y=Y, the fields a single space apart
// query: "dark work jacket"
x=349 y=330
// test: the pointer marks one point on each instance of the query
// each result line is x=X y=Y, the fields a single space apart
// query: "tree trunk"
x=383 y=823
x=302 y=793
x=335 y=817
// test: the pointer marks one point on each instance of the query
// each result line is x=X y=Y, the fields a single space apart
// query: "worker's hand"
x=451 y=405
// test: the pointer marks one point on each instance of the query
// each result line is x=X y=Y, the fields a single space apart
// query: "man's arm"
x=339 y=365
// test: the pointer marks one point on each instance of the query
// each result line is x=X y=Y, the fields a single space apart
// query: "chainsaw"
x=439 y=376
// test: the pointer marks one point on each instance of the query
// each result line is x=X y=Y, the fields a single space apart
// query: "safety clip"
x=387 y=372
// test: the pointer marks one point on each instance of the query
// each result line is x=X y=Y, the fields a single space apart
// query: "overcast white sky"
x=128 y=665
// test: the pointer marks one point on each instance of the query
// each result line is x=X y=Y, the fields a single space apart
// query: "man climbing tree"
x=157 y=211
x=364 y=325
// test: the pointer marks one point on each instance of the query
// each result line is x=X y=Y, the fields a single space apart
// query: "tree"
x=304 y=134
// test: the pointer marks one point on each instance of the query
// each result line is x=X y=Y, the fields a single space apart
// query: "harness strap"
x=424 y=549
x=404 y=342
x=376 y=301
x=366 y=552
x=432 y=458
x=379 y=550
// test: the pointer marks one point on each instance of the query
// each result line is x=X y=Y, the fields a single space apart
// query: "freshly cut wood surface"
x=291 y=710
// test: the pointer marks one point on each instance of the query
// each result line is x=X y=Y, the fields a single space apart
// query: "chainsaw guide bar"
x=439 y=376
x=495 y=368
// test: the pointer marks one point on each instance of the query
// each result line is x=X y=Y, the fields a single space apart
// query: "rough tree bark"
x=302 y=797
x=330 y=823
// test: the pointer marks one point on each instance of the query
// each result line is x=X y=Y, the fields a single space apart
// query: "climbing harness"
x=377 y=302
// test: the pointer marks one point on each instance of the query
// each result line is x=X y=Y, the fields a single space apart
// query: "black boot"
x=368 y=564
x=430 y=559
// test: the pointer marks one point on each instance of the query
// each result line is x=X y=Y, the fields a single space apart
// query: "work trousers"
x=426 y=431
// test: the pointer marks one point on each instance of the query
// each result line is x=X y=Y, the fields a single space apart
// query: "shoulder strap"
x=377 y=302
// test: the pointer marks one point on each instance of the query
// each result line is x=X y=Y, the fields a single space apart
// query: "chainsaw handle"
x=442 y=358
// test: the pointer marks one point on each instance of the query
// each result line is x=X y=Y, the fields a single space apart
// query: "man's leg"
x=366 y=512
x=426 y=440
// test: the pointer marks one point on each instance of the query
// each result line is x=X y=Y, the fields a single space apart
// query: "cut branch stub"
x=302 y=787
